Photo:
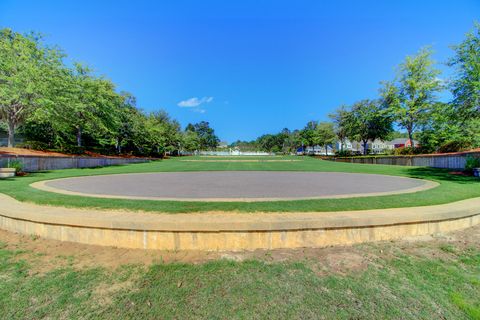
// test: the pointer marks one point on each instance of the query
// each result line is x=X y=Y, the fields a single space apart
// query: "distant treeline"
x=55 y=106
x=410 y=102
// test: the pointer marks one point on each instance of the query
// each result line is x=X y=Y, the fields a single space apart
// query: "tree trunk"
x=410 y=136
x=365 y=147
x=79 y=136
x=326 y=150
x=11 y=134
x=118 y=146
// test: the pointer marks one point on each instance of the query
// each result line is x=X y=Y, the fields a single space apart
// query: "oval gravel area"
x=234 y=185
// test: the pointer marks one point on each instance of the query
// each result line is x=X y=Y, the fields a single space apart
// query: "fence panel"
x=446 y=161
x=35 y=163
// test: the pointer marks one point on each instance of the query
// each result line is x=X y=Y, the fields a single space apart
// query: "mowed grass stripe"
x=452 y=187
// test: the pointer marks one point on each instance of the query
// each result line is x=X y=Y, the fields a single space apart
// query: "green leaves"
x=324 y=135
x=206 y=135
x=26 y=66
x=465 y=84
x=78 y=107
x=411 y=96
x=368 y=120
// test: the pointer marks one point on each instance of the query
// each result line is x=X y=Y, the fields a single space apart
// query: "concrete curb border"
x=213 y=231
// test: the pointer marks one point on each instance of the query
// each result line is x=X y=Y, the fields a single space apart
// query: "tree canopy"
x=465 y=84
x=69 y=107
x=411 y=96
x=26 y=68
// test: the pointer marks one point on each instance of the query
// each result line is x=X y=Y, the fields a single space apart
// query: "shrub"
x=73 y=149
x=471 y=163
x=404 y=151
x=17 y=165
x=454 y=146
x=389 y=152
x=344 y=153
x=34 y=145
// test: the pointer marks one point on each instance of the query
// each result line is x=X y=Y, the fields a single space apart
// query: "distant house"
x=319 y=150
x=356 y=147
x=223 y=145
x=379 y=146
x=402 y=143
x=376 y=146
x=347 y=145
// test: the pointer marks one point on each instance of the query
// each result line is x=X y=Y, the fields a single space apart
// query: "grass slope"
x=452 y=187
x=400 y=286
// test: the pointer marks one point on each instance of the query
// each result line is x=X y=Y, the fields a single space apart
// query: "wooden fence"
x=36 y=163
x=446 y=161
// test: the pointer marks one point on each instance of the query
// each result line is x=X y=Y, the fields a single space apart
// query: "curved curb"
x=42 y=185
x=233 y=231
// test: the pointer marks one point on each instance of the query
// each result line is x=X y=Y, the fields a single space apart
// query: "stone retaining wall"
x=233 y=231
x=36 y=163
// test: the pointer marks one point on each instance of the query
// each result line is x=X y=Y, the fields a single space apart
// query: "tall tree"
x=413 y=93
x=465 y=85
x=325 y=135
x=84 y=105
x=190 y=141
x=368 y=120
x=127 y=115
x=340 y=122
x=206 y=134
x=26 y=66
x=442 y=128
x=308 y=134
x=163 y=133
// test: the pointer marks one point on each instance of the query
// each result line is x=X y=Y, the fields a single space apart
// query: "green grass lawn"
x=394 y=280
x=406 y=281
x=452 y=187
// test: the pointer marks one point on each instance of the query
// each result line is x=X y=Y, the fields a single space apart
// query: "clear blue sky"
x=254 y=66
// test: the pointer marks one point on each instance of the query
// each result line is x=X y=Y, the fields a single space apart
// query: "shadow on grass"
x=440 y=174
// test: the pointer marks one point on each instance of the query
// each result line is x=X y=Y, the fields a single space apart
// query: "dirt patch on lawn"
x=44 y=255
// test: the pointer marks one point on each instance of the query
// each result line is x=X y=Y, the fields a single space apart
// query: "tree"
x=162 y=134
x=410 y=97
x=270 y=143
x=307 y=134
x=340 y=122
x=26 y=66
x=465 y=85
x=190 y=127
x=206 y=135
x=325 y=135
x=368 y=120
x=190 y=141
x=83 y=105
x=284 y=141
x=246 y=145
x=93 y=104
x=292 y=141
x=128 y=117
x=441 y=128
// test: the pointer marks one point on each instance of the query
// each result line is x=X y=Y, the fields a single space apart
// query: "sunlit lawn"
x=445 y=285
x=452 y=187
